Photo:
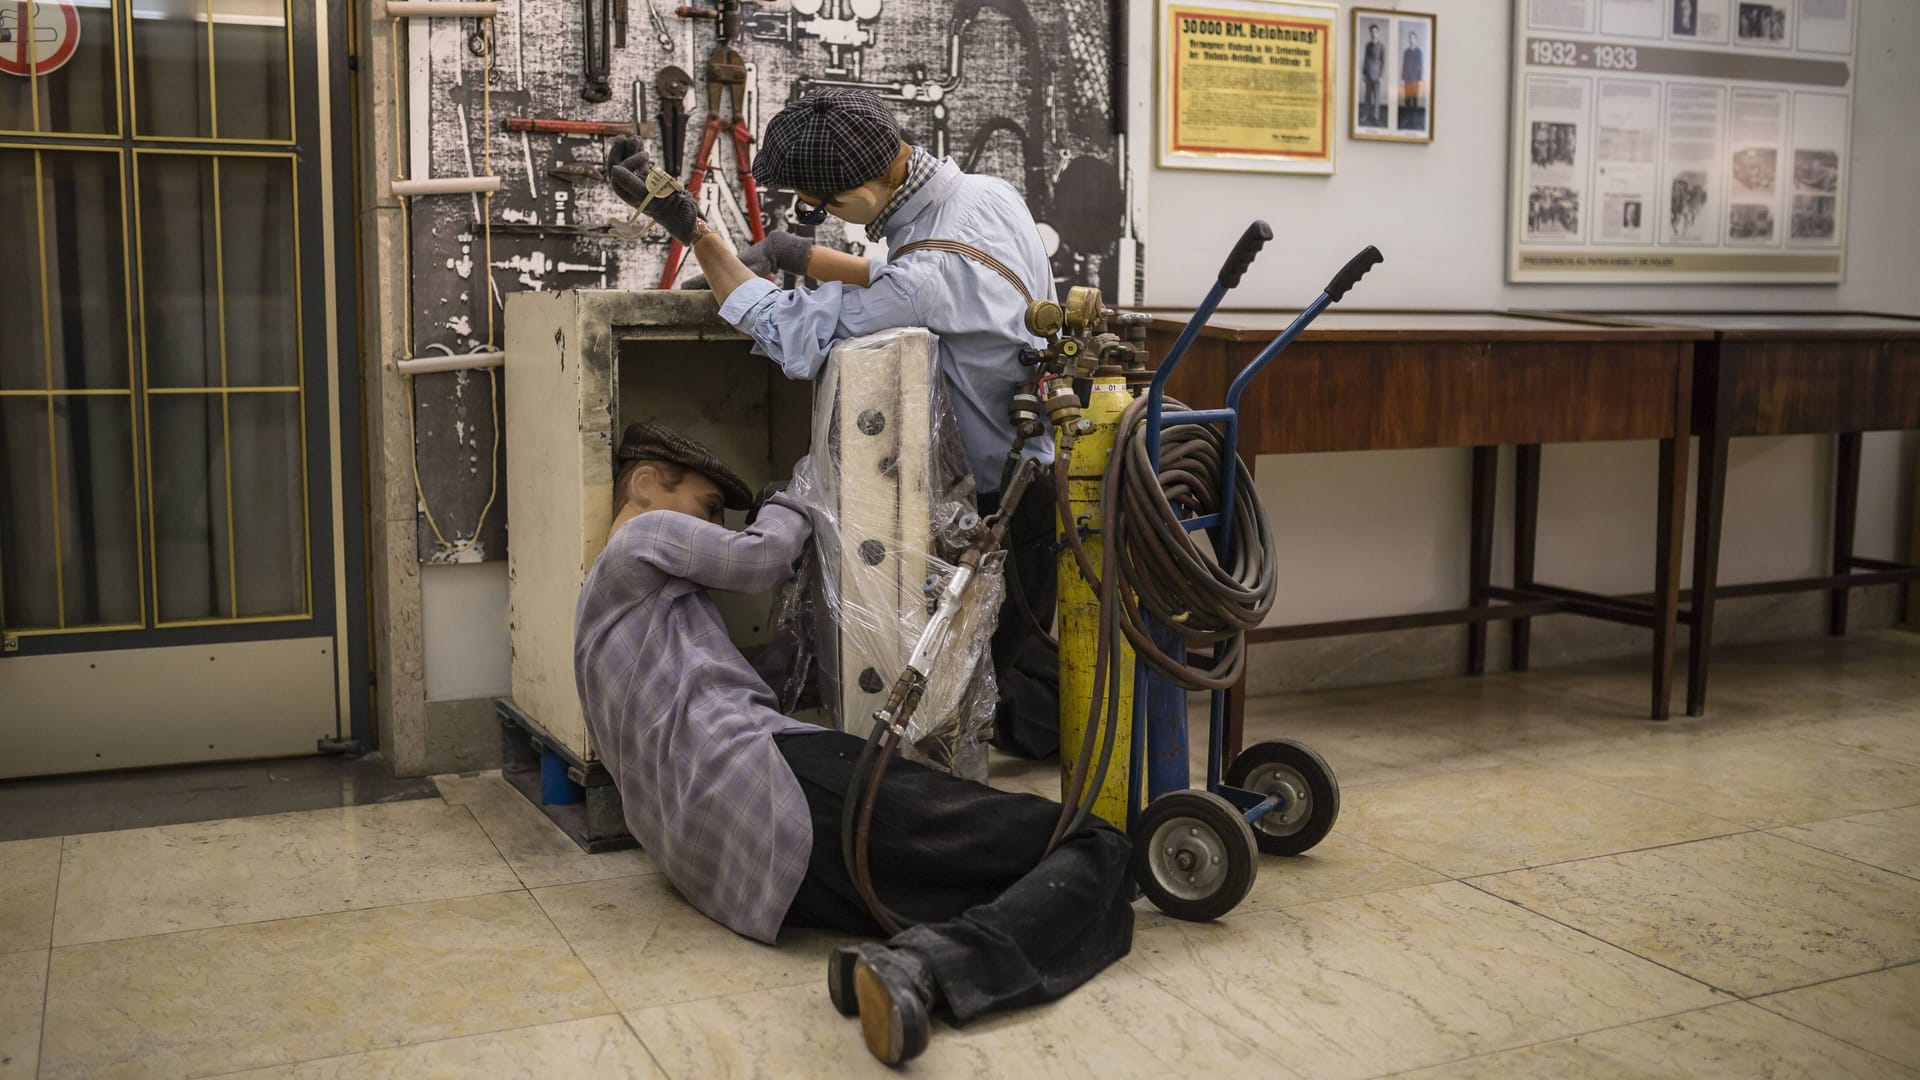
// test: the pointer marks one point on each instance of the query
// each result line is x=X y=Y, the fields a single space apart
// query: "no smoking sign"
x=37 y=38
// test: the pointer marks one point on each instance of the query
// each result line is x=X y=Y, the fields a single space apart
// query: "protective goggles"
x=809 y=215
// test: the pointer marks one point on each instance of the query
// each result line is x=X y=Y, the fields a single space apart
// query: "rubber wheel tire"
x=1267 y=767
x=1193 y=855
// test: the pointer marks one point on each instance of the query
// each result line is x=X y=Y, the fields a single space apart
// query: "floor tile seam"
x=1774 y=832
x=574 y=952
x=1742 y=830
x=1168 y=993
x=1828 y=980
x=1583 y=932
x=594 y=880
x=46 y=978
x=495 y=845
x=398 y=1046
x=1896 y=757
x=1557 y=1039
x=1625 y=790
x=659 y=1065
x=291 y=918
x=1734 y=829
x=774 y=987
x=1869 y=1051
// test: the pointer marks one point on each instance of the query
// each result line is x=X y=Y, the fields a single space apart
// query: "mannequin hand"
x=779 y=251
x=627 y=168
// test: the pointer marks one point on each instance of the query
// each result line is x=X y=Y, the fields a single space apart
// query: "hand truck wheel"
x=1193 y=855
x=1311 y=794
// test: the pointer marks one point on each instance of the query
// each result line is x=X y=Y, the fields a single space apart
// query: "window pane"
x=23 y=359
x=78 y=95
x=256 y=235
x=179 y=282
x=250 y=68
x=26 y=515
x=189 y=507
x=171 y=95
x=269 y=503
x=87 y=267
x=99 y=506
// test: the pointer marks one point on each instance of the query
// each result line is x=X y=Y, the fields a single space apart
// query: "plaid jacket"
x=682 y=721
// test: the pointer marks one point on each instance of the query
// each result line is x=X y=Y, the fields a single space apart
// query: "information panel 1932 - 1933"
x=1680 y=140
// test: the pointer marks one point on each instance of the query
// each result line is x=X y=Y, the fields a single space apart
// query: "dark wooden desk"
x=1479 y=380
x=1764 y=373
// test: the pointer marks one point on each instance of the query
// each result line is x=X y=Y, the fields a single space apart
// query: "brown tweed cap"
x=651 y=442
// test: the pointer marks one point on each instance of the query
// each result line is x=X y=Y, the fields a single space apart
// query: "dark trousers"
x=1026 y=663
x=1000 y=926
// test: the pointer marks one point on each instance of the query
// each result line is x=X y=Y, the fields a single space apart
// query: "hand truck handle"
x=1351 y=273
x=1251 y=242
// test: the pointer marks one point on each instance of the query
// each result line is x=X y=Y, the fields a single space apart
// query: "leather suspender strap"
x=971 y=252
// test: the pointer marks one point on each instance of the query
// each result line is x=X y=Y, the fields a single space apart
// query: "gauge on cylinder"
x=866 y=9
x=808 y=7
x=1043 y=318
x=1082 y=309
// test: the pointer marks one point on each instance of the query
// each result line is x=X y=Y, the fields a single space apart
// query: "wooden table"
x=1412 y=380
x=1784 y=373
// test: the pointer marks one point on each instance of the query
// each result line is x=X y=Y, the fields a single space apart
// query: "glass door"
x=167 y=564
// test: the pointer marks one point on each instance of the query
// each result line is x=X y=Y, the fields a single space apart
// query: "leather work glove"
x=627 y=167
x=779 y=251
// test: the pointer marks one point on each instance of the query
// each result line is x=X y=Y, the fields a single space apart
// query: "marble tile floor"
x=1527 y=880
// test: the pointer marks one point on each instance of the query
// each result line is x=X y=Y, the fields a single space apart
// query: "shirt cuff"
x=742 y=299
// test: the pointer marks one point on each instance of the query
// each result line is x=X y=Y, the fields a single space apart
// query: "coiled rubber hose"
x=1158 y=570
x=1177 y=582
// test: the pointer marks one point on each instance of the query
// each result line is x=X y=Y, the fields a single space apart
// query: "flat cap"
x=827 y=142
x=645 y=441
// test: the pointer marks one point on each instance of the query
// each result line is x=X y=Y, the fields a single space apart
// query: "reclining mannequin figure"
x=741 y=805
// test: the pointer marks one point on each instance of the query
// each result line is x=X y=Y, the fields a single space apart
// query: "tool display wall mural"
x=1016 y=90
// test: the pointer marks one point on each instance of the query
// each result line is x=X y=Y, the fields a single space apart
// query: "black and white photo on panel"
x=1761 y=23
x=1686 y=203
x=1553 y=144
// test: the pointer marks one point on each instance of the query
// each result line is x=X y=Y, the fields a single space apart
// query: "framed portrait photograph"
x=1247 y=85
x=1393 y=76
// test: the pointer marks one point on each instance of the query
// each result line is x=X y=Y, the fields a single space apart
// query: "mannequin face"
x=859 y=206
x=862 y=205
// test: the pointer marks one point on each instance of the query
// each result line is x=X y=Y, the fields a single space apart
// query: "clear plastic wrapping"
x=892 y=503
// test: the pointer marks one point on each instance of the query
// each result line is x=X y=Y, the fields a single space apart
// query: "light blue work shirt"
x=978 y=316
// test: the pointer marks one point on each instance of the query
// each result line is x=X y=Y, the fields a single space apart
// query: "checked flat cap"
x=827 y=142
x=651 y=442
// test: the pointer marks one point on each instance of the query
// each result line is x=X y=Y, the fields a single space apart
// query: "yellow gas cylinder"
x=1080 y=605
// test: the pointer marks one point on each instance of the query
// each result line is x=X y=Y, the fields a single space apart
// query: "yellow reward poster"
x=1246 y=84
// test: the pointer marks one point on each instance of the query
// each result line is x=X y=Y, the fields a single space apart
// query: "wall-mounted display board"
x=1680 y=140
x=1247 y=85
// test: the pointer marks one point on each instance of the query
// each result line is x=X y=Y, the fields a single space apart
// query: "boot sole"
x=892 y=1020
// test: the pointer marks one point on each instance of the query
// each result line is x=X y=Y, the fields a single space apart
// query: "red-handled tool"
x=596 y=129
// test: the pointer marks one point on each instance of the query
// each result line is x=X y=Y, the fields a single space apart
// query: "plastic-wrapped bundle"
x=891 y=501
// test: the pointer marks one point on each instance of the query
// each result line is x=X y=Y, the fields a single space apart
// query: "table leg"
x=1708 y=511
x=1486 y=470
x=1846 y=505
x=1526 y=529
x=1666 y=567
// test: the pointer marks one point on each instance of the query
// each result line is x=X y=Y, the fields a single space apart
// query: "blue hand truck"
x=1196 y=851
